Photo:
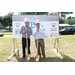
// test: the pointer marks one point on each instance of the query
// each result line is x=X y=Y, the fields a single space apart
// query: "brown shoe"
x=44 y=56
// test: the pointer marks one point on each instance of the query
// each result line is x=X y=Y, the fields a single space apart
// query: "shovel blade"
x=37 y=58
x=28 y=57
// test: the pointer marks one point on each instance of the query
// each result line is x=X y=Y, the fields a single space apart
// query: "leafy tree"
x=4 y=21
x=63 y=14
x=66 y=21
x=71 y=21
x=61 y=21
x=7 y=20
x=69 y=18
x=53 y=13
x=0 y=20
x=73 y=17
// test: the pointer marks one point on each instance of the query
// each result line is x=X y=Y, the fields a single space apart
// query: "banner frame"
x=55 y=47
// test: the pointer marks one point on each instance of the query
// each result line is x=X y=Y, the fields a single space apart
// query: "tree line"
x=7 y=20
x=70 y=21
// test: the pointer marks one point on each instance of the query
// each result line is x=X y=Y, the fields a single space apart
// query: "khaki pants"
x=40 y=45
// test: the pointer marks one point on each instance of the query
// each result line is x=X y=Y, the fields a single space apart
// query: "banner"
x=49 y=23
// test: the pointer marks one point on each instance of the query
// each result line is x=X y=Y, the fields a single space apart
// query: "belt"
x=25 y=38
x=39 y=39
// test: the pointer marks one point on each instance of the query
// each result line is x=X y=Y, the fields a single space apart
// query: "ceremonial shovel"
x=37 y=57
x=27 y=55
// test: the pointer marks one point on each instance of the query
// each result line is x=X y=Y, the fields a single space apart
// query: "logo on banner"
x=17 y=32
x=50 y=35
x=53 y=30
x=33 y=25
x=17 y=26
x=53 y=25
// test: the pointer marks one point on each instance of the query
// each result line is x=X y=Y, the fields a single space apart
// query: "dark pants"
x=24 y=46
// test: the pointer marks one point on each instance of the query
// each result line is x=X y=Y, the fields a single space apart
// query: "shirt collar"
x=26 y=27
x=36 y=27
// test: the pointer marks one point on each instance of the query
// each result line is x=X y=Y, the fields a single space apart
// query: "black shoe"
x=40 y=56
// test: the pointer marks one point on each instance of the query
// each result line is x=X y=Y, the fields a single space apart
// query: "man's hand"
x=26 y=31
x=37 y=29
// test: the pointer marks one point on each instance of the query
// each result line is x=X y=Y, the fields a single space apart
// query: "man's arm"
x=22 y=31
x=34 y=32
x=30 y=31
x=42 y=31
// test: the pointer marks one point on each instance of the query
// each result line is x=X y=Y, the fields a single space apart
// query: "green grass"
x=6 y=32
x=66 y=45
x=5 y=48
x=68 y=36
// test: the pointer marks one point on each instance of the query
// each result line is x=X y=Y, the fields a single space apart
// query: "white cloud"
x=5 y=13
x=16 y=13
x=72 y=15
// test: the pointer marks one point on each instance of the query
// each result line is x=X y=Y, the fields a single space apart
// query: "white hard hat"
x=26 y=20
x=37 y=21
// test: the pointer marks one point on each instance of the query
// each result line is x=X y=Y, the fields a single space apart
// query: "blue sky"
x=5 y=13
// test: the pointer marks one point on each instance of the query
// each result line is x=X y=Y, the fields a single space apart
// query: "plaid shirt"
x=22 y=31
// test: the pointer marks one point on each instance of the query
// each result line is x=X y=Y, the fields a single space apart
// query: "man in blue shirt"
x=41 y=34
x=26 y=30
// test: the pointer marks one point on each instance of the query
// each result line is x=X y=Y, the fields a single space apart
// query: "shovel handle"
x=37 y=42
x=27 y=41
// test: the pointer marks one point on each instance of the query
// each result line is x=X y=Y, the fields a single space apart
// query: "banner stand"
x=55 y=48
x=56 y=44
x=14 y=51
x=57 y=51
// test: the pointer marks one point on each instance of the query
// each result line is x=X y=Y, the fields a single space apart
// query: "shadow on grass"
x=48 y=59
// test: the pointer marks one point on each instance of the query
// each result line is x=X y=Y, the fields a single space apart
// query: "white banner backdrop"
x=51 y=28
